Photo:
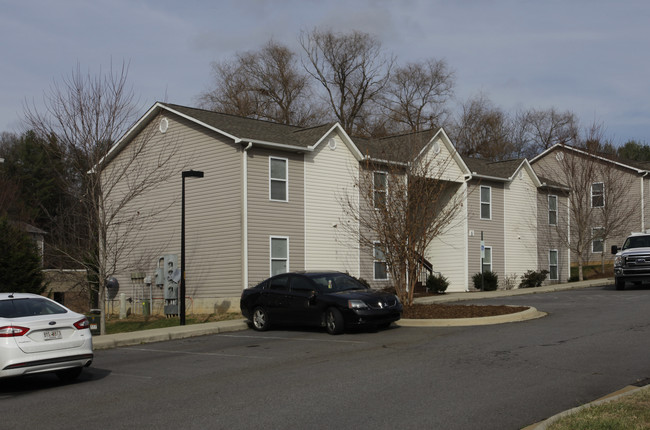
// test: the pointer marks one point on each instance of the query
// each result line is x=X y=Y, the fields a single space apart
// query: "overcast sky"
x=588 y=56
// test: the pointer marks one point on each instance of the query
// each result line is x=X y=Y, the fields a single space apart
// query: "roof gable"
x=638 y=167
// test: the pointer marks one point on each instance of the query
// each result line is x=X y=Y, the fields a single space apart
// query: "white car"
x=40 y=335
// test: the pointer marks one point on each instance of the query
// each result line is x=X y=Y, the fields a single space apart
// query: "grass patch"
x=592 y=271
x=626 y=413
x=139 y=322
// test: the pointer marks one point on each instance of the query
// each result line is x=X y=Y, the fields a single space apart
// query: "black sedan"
x=332 y=300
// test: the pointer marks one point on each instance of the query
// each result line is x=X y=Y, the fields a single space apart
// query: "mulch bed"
x=438 y=311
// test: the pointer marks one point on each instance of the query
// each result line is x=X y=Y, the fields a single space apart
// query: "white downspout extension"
x=245 y=214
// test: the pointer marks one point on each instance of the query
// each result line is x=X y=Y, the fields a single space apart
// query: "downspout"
x=245 y=214
x=643 y=202
x=467 y=178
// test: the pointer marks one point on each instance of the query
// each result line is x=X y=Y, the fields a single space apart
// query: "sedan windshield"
x=18 y=308
x=336 y=282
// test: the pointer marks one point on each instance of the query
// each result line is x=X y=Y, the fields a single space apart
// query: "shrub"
x=490 y=281
x=533 y=279
x=437 y=283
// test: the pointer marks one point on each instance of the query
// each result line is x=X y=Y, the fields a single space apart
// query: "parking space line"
x=213 y=354
x=294 y=339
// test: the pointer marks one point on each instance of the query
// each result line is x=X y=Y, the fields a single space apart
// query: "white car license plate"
x=51 y=334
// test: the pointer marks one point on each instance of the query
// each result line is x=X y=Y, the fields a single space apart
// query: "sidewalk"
x=477 y=295
x=186 y=331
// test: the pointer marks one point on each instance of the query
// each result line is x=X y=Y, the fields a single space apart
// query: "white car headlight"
x=618 y=261
x=357 y=304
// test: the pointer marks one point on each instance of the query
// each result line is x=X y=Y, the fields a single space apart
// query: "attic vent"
x=521 y=174
x=164 y=125
x=559 y=156
x=331 y=144
x=436 y=147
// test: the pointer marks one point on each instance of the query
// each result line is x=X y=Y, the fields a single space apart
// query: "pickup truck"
x=632 y=261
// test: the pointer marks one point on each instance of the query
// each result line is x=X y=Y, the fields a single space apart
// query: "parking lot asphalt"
x=181 y=332
x=186 y=331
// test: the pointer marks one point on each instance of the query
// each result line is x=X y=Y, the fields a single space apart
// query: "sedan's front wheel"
x=334 y=321
x=260 y=319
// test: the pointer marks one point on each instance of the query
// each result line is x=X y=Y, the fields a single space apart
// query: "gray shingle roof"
x=498 y=169
x=255 y=129
x=401 y=147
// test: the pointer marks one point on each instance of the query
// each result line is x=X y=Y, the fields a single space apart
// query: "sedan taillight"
x=82 y=324
x=13 y=331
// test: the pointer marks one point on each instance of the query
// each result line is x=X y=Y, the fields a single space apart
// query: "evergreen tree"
x=20 y=262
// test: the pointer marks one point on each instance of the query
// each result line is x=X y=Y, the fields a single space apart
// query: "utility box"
x=168 y=270
x=94 y=318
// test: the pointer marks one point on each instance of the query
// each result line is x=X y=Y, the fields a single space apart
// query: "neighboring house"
x=271 y=201
x=37 y=235
x=609 y=196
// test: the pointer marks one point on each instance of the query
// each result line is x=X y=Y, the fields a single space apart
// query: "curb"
x=624 y=392
x=528 y=314
x=187 y=331
x=169 y=333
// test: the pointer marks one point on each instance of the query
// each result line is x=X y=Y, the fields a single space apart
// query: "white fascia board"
x=537 y=157
x=344 y=137
x=598 y=157
x=450 y=147
x=202 y=124
x=525 y=165
x=135 y=128
x=274 y=145
x=490 y=178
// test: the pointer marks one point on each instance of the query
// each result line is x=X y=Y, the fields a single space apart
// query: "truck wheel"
x=620 y=284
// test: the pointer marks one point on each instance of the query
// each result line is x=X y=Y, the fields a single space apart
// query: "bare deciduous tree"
x=265 y=84
x=351 y=68
x=548 y=127
x=88 y=113
x=403 y=209
x=598 y=205
x=483 y=130
x=416 y=95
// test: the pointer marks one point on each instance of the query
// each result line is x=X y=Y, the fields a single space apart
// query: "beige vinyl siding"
x=268 y=218
x=549 y=167
x=213 y=212
x=444 y=166
x=549 y=236
x=448 y=252
x=493 y=229
x=330 y=176
x=520 y=212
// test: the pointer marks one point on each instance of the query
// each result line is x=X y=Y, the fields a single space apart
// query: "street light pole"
x=181 y=293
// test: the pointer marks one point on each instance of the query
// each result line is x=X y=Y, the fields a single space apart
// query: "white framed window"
x=278 y=179
x=486 y=202
x=279 y=253
x=552 y=265
x=379 y=189
x=380 y=269
x=597 y=195
x=552 y=210
x=486 y=261
x=597 y=242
